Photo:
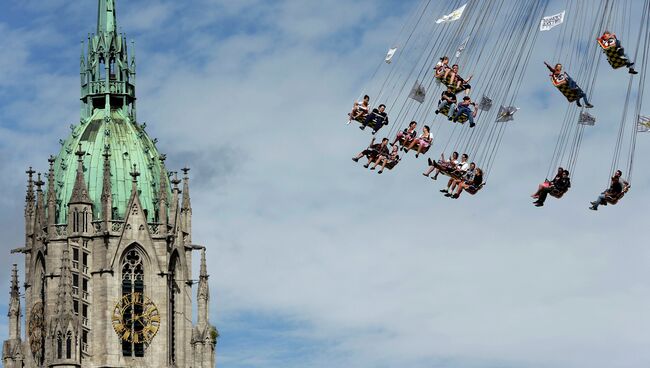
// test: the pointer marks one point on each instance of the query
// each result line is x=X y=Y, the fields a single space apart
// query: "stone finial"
x=64 y=311
x=30 y=185
x=51 y=193
x=162 y=195
x=14 y=305
x=40 y=204
x=107 y=191
x=80 y=191
x=186 y=205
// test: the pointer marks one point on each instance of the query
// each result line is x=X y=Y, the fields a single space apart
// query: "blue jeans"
x=443 y=103
x=467 y=111
x=600 y=200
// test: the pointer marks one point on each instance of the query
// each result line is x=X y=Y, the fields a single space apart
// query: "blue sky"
x=315 y=262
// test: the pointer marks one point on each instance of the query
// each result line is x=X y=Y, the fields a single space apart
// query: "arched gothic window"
x=132 y=282
x=68 y=346
x=59 y=346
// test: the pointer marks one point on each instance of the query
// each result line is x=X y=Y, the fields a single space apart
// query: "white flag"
x=644 y=124
x=551 y=21
x=586 y=119
x=389 y=55
x=417 y=92
x=506 y=113
x=455 y=15
x=461 y=47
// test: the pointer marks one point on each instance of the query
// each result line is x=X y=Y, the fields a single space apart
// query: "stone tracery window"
x=132 y=282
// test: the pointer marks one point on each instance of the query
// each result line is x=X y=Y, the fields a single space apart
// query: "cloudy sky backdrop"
x=315 y=262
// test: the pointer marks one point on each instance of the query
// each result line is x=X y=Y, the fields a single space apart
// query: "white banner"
x=551 y=21
x=455 y=15
x=461 y=47
x=390 y=54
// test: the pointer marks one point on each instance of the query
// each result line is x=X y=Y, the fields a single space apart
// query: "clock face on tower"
x=136 y=318
x=36 y=331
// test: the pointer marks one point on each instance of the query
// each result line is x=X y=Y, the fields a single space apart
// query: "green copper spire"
x=106 y=18
x=109 y=133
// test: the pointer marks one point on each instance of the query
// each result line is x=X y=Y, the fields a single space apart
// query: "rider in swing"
x=558 y=77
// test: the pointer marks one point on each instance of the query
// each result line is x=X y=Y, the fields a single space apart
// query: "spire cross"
x=51 y=160
x=185 y=171
x=176 y=180
x=30 y=172
x=39 y=183
x=80 y=154
x=106 y=153
x=134 y=174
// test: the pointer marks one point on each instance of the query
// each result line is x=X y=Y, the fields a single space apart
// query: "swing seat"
x=473 y=190
x=613 y=199
x=444 y=110
x=558 y=193
x=372 y=124
x=462 y=118
x=445 y=170
x=391 y=164
x=613 y=58
x=415 y=147
x=448 y=83
x=571 y=94
x=359 y=119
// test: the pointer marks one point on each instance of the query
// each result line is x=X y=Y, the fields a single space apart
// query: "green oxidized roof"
x=128 y=144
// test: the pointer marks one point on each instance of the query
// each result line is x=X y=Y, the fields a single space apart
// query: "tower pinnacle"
x=106 y=18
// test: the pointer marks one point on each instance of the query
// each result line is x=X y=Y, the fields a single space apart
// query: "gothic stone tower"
x=108 y=242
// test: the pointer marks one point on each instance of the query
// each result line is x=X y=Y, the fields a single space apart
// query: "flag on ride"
x=506 y=113
x=485 y=104
x=644 y=124
x=417 y=92
x=461 y=47
x=389 y=55
x=586 y=119
x=455 y=15
x=551 y=21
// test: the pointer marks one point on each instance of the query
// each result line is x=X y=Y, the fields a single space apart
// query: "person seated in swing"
x=463 y=85
x=449 y=76
x=385 y=159
x=423 y=141
x=463 y=169
x=616 y=190
x=378 y=118
x=447 y=100
x=464 y=109
x=441 y=164
x=407 y=135
x=373 y=151
x=473 y=184
x=558 y=77
x=360 y=109
x=560 y=184
x=441 y=67
x=547 y=184
x=608 y=40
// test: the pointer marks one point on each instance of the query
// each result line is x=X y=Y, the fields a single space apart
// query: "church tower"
x=108 y=238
